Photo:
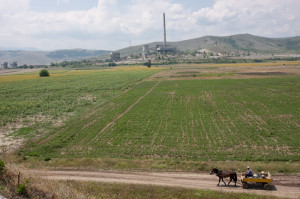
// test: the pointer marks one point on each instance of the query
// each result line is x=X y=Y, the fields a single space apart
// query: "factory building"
x=14 y=64
x=165 y=49
x=4 y=65
x=115 y=56
x=146 y=51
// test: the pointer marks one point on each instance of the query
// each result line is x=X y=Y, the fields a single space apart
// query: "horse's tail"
x=235 y=177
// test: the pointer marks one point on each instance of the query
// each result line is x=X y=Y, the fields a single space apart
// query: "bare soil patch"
x=17 y=71
x=264 y=73
x=10 y=143
x=287 y=180
x=225 y=72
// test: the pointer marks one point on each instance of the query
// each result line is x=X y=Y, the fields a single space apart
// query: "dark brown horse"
x=224 y=174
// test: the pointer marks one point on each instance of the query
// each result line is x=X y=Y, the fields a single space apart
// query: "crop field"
x=30 y=97
x=200 y=119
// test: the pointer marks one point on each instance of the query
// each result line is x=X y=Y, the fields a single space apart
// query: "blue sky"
x=62 y=5
x=68 y=5
x=113 y=24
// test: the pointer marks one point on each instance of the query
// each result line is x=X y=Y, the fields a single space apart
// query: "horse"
x=224 y=174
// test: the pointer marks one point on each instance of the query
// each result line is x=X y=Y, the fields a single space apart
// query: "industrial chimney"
x=163 y=48
x=165 y=34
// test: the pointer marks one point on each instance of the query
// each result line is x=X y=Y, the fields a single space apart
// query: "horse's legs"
x=219 y=181
x=230 y=180
x=235 y=178
x=223 y=181
x=235 y=181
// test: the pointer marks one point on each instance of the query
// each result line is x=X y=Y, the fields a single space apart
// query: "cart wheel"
x=245 y=185
x=267 y=187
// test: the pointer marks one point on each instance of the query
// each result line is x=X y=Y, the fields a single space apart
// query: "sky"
x=116 y=24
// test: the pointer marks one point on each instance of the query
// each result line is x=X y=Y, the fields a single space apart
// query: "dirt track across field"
x=17 y=71
x=126 y=111
x=284 y=186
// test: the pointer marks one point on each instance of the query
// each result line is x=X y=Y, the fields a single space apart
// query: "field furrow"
x=226 y=119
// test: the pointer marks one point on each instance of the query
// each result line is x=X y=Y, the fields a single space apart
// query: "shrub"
x=21 y=190
x=47 y=159
x=44 y=73
x=112 y=64
x=2 y=168
x=2 y=165
x=148 y=64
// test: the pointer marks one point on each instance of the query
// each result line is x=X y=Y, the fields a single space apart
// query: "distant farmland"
x=225 y=119
x=31 y=98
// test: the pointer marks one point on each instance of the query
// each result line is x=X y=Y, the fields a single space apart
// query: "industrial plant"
x=164 y=48
x=6 y=65
x=147 y=51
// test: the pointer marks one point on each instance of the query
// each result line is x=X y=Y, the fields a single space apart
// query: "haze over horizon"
x=116 y=24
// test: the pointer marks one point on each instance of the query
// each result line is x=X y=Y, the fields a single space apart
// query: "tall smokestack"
x=165 y=34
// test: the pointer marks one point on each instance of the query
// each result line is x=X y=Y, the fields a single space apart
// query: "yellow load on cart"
x=264 y=179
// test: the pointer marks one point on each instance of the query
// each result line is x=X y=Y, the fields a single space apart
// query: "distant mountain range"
x=242 y=42
x=30 y=57
x=228 y=44
x=25 y=49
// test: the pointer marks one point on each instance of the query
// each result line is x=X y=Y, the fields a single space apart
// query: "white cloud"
x=112 y=23
x=63 y=1
x=15 y=6
x=106 y=3
x=257 y=17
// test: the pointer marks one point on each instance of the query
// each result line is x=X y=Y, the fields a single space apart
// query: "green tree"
x=44 y=73
x=112 y=64
x=148 y=64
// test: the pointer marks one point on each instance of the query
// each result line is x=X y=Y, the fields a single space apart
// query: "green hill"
x=241 y=42
x=228 y=44
x=46 y=57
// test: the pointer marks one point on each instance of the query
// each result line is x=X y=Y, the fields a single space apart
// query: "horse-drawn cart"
x=264 y=179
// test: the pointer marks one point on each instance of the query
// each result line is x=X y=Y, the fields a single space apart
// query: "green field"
x=27 y=95
x=230 y=119
x=112 y=114
x=136 y=119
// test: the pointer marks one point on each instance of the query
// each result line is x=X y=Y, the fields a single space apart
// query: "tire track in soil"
x=288 y=189
x=122 y=114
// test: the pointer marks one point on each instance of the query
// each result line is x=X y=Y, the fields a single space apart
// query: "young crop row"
x=75 y=138
x=218 y=120
x=193 y=120
x=64 y=92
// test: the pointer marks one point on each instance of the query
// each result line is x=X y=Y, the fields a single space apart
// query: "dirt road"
x=284 y=186
x=17 y=71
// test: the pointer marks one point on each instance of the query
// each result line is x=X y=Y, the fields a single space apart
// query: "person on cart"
x=249 y=173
